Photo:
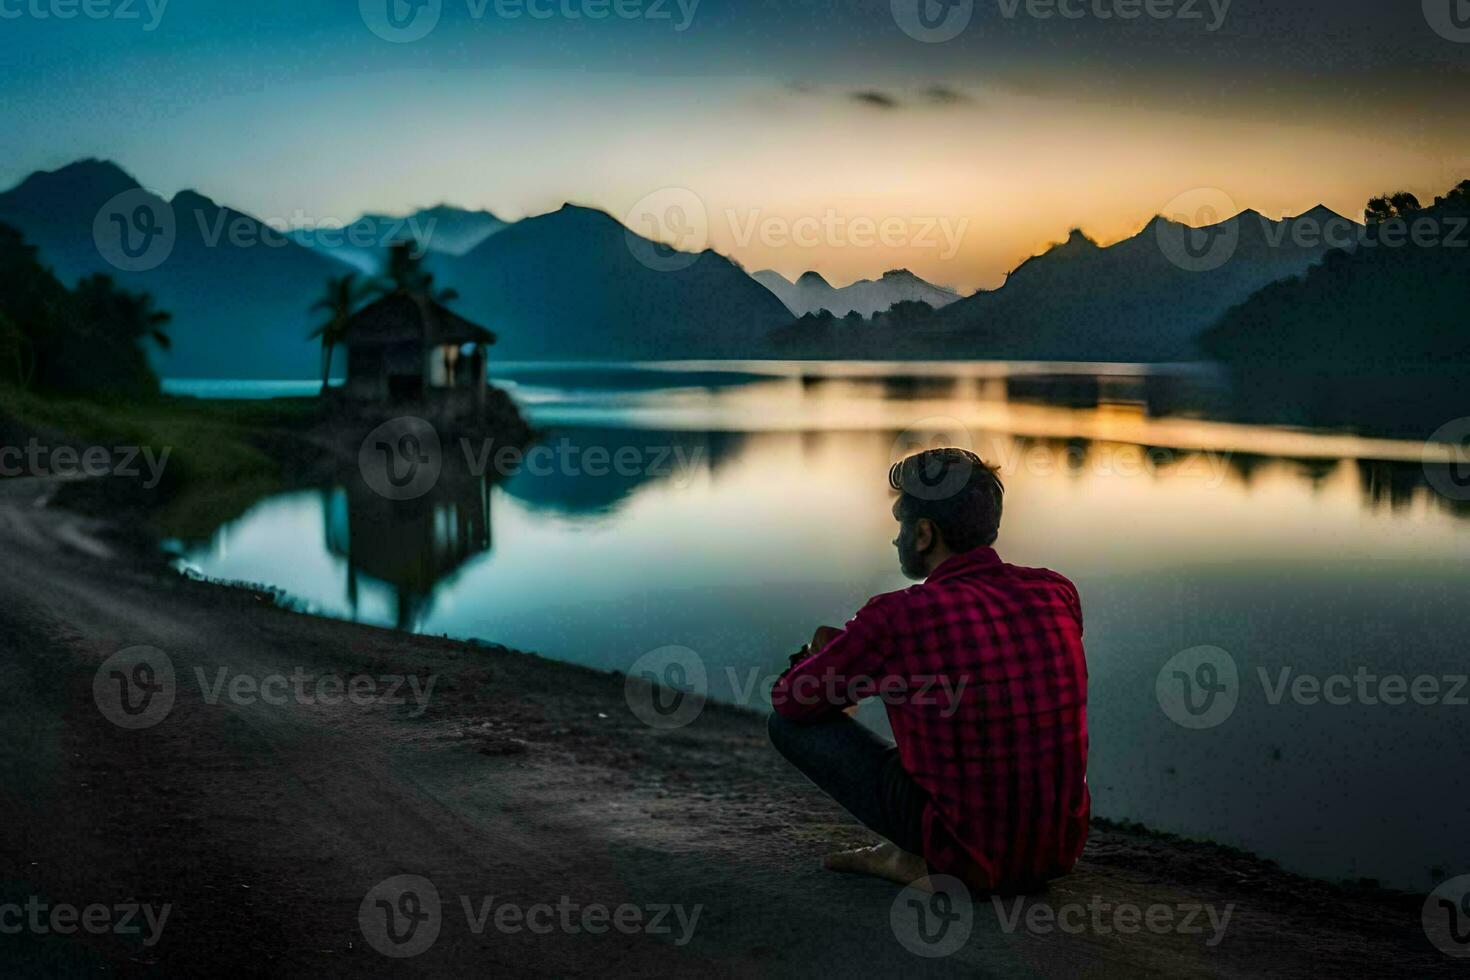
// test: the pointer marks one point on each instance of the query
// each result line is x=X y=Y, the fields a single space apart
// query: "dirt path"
x=532 y=799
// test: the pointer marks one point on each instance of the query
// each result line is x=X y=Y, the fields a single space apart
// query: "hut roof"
x=399 y=317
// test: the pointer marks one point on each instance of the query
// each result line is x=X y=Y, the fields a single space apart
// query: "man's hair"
x=956 y=490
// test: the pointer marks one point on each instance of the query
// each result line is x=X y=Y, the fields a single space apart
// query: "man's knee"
x=793 y=739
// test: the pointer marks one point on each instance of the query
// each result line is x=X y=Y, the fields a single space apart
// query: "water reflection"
x=413 y=546
x=745 y=511
x=1406 y=404
x=1399 y=486
x=591 y=472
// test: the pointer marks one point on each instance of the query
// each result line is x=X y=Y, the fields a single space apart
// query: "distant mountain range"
x=570 y=284
x=575 y=283
x=811 y=292
x=1146 y=298
x=364 y=243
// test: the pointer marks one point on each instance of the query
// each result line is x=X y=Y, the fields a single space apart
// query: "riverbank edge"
x=714 y=792
x=159 y=561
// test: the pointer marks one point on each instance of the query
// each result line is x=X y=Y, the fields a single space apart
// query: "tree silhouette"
x=405 y=273
x=1400 y=204
x=35 y=309
x=99 y=345
x=1457 y=195
x=339 y=303
x=90 y=338
x=124 y=317
x=17 y=353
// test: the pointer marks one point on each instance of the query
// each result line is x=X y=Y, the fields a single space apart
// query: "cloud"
x=934 y=95
x=944 y=95
x=876 y=99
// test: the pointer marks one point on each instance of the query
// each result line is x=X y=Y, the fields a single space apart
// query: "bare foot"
x=886 y=860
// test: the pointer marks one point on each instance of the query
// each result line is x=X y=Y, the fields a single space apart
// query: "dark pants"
x=858 y=769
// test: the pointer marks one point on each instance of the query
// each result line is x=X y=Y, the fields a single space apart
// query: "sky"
x=844 y=136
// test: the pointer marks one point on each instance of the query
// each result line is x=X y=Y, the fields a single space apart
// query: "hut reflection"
x=412 y=546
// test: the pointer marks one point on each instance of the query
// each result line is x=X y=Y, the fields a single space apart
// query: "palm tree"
x=106 y=349
x=339 y=302
x=405 y=273
x=125 y=316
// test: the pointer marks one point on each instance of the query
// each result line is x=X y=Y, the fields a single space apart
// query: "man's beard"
x=911 y=561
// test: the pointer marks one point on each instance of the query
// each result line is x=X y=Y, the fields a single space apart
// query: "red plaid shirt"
x=1003 y=760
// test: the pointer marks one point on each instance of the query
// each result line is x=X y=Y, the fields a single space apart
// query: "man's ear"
x=926 y=535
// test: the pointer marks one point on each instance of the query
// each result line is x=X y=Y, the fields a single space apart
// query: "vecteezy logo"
x=667 y=230
x=1449 y=18
x=135 y=231
x=1446 y=459
x=402 y=458
x=935 y=432
x=401 y=21
x=1198 y=687
x=1195 y=234
x=933 y=923
x=1446 y=917
x=932 y=21
x=401 y=916
x=134 y=688
x=666 y=688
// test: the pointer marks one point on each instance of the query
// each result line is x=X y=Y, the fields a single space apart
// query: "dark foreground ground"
x=580 y=840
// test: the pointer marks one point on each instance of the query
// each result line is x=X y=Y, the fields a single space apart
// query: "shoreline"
x=286 y=601
x=522 y=778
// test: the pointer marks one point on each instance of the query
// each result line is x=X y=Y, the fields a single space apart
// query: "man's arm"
x=823 y=636
x=822 y=684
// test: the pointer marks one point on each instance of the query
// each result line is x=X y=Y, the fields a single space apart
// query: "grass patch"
x=222 y=454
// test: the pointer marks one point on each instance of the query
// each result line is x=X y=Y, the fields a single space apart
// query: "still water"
x=1293 y=526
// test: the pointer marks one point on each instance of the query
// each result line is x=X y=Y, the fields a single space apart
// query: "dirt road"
x=561 y=835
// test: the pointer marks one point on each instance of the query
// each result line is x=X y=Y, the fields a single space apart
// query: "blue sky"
x=1020 y=126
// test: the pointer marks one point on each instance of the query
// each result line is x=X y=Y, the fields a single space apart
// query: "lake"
x=1294 y=542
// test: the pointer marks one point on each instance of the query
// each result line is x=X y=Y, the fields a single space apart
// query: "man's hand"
x=823 y=636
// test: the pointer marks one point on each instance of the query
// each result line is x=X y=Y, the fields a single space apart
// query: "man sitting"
x=983 y=674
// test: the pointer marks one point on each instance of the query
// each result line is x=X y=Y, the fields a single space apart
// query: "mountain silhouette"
x=55 y=211
x=1400 y=298
x=364 y=243
x=574 y=283
x=570 y=284
x=811 y=293
x=1146 y=298
x=238 y=290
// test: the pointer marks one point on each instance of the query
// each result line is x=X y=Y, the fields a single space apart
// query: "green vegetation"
x=74 y=372
x=68 y=340
x=222 y=455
